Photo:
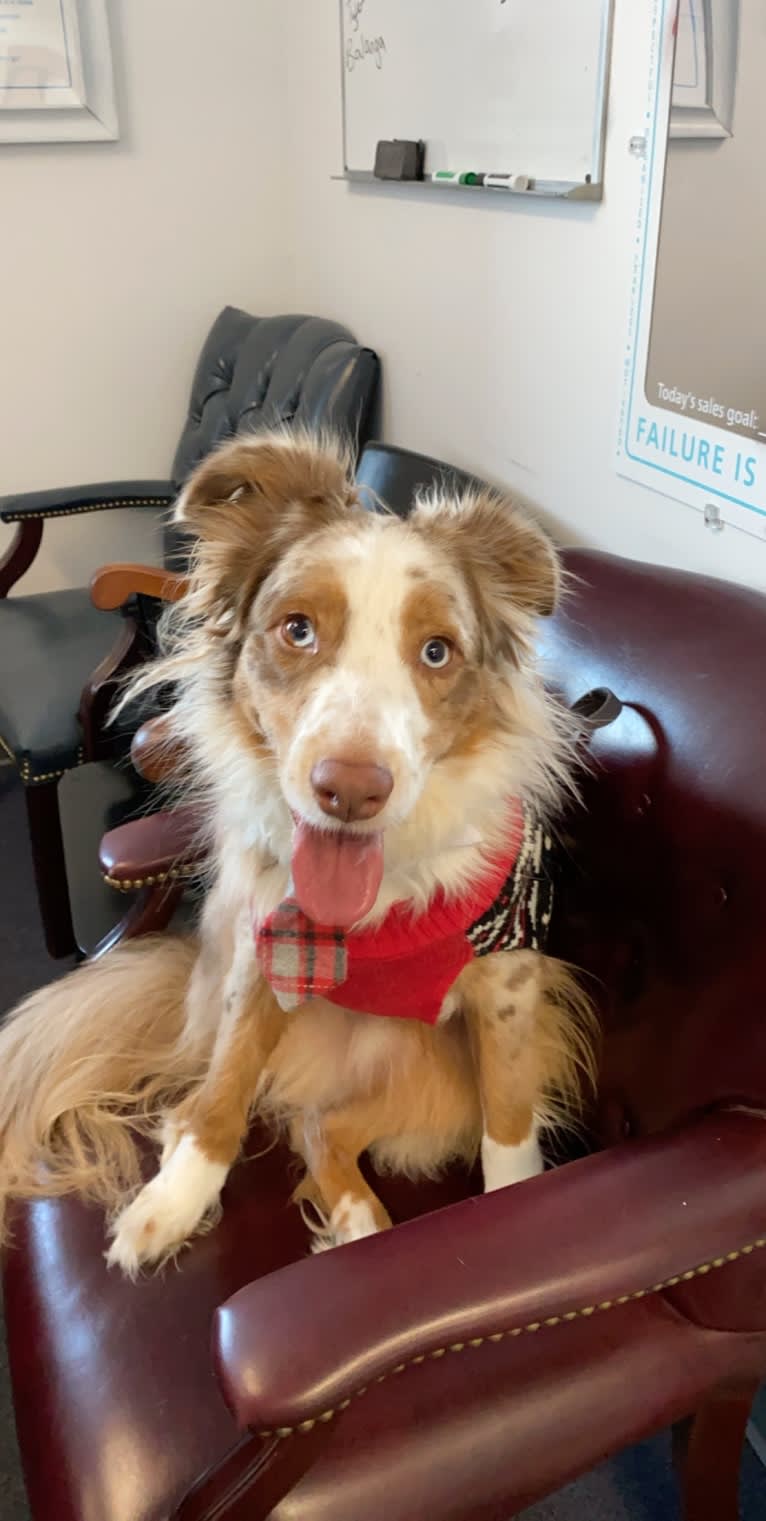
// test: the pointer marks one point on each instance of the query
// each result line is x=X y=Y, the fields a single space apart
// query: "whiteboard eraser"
x=399 y=160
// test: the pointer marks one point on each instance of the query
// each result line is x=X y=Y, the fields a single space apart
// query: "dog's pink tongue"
x=336 y=876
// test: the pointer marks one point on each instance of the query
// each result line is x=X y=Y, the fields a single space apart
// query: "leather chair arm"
x=155 y=752
x=113 y=585
x=167 y=846
x=102 y=496
x=298 y=1345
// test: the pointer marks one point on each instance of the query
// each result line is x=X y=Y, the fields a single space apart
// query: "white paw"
x=503 y=1165
x=168 y=1210
x=351 y=1220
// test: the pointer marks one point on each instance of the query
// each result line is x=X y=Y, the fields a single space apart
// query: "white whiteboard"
x=495 y=86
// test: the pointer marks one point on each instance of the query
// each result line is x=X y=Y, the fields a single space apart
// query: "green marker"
x=457 y=177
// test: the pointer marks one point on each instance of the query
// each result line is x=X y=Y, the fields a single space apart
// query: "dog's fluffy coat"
x=182 y=1038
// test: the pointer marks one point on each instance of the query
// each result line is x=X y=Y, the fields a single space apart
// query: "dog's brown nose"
x=350 y=790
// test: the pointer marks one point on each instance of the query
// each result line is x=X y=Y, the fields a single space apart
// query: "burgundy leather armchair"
x=487 y=1350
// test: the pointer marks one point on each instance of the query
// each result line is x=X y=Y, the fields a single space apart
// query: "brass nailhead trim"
x=25 y=770
x=176 y=873
x=534 y=1325
x=70 y=512
x=42 y=776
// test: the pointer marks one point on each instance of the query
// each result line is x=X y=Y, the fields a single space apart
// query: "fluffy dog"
x=377 y=758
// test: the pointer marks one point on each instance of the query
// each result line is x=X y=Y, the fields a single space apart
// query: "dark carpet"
x=636 y=1486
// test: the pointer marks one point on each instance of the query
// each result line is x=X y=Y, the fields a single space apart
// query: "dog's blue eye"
x=436 y=653
x=299 y=631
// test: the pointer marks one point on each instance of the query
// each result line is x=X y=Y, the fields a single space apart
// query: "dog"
x=377 y=761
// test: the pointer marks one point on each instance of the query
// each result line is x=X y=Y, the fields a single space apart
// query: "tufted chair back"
x=255 y=372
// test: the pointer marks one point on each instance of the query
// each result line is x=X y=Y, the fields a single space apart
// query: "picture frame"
x=56 y=74
x=706 y=69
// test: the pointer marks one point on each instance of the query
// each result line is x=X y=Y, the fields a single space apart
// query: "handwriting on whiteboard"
x=361 y=48
x=355 y=8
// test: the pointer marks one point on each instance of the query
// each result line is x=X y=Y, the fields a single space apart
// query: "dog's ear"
x=248 y=501
x=511 y=565
x=269 y=474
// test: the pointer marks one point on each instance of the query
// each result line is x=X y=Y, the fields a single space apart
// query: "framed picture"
x=56 y=80
x=693 y=415
x=705 y=68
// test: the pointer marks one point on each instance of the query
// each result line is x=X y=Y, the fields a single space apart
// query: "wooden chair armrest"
x=155 y=753
x=20 y=553
x=113 y=585
x=161 y=847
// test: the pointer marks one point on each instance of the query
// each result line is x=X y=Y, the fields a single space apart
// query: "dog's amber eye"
x=299 y=631
x=436 y=653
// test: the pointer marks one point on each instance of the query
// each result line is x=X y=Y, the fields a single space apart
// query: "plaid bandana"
x=300 y=959
x=405 y=966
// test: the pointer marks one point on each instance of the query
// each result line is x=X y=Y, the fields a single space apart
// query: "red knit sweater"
x=405 y=965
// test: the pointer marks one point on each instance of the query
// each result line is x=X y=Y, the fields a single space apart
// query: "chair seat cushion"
x=50 y=644
x=117 y=1408
x=118 y=1411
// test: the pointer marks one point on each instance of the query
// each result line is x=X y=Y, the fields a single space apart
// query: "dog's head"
x=364 y=654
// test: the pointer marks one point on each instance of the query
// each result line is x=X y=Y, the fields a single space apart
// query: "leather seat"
x=147 y=1418
x=47 y=640
x=477 y=1357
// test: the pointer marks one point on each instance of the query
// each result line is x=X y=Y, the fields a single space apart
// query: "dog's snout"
x=351 y=790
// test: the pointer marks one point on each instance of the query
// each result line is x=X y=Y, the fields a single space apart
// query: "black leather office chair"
x=59 y=655
x=394 y=476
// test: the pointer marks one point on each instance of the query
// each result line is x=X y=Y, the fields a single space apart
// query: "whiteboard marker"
x=457 y=177
x=507 y=181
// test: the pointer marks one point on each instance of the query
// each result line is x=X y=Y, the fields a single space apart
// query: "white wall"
x=115 y=258
x=501 y=328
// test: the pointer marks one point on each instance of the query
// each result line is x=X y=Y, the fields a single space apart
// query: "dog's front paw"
x=503 y=1165
x=168 y=1210
x=351 y=1220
